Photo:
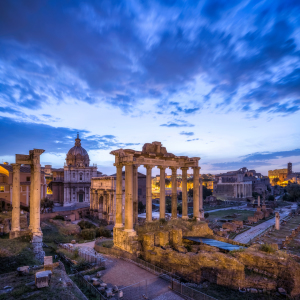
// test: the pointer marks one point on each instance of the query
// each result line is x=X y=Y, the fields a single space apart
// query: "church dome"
x=77 y=155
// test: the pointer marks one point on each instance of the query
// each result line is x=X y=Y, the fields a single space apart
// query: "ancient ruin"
x=152 y=155
x=33 y=159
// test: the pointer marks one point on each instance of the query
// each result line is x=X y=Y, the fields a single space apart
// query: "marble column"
x=135 y=194
x=201 y=210
x=148 y=194
x=15 y=220
x=196 y=212
x=128 y=198
x=277 y=221
x=174 y=192
x=258 y=201
x=184 y=193
x=31 y=206
x=162 y=201
x=110 y=215
x=119 y=188
x=36 y=229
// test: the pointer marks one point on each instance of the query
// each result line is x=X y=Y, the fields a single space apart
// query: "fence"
x=140 y=289
x=94 y=291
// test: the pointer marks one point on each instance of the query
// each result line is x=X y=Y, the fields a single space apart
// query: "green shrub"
x=88 y=234
x=86 y=225
x=163 y=221
x=267 y=248
x=188 y=248
x=58 y=217
x=101 y=231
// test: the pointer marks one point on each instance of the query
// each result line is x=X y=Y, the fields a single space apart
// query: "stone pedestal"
x=42 y=279
x=37 y=243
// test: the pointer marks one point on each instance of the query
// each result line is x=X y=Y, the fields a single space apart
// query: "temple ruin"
x=33 y=159
x=152 y=155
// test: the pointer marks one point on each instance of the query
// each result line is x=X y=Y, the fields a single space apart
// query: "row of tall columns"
x=131 y=195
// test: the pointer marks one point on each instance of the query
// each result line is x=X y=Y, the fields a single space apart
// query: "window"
x=73 y=175
x=27 y=178
x=74 y=189
x=1 y=189
x=80 y=177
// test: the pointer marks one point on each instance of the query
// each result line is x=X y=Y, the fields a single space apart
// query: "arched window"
x=80 y=177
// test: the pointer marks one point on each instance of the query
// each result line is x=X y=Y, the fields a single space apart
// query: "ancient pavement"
x=256 y=230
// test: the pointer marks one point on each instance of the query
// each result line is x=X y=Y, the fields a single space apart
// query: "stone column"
x=31 y=206
x=162 y=201
x=119 y=179
x=111 y=217
x=258 y=201
x=135 y=194
x=277 y=221
x=128 y=198
x=174 y=192
x=36 y=229
x=92 y=198
x=148 y=194
x=196 y=212
x=184 y=193
x=201 y=210
x=15 y=220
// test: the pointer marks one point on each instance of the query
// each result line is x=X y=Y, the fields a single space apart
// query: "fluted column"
x=184 y=193
x=15 y=222
x=174 y=192
x=148 y=194
x=196 y=208
x=128 y=198
x=201 y=210
x=135 y=194
x=36 y=229
x=31 y=205
x=119 y=221
x=162 y=202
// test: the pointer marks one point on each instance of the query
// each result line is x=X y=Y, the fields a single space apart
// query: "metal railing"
x=93 y=290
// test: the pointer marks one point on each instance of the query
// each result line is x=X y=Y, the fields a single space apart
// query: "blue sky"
x=215 y=79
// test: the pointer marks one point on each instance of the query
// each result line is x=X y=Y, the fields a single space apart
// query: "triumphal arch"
x=152 y=155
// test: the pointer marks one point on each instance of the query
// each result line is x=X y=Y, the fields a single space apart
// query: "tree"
x=190 y=193
x=271 y=198
x=167 y=182
x=179 y=208
x=168 y=204
x=157 y=184
x=206 y=192
x=294 y=191
x=141 y=207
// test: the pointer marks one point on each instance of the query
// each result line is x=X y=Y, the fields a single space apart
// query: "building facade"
x=283 y=177
x=6 y=185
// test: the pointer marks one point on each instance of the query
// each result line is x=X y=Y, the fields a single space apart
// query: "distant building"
x=6 y=179
x=239 y=184
x=283 y=177
x=71 y=184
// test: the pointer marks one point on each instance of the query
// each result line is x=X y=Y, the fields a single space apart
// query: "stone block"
x=148 y=240
x=23 y=270
x=259 y=215
x=253 y=219
x=42 y=279
x=230 y=226
x=109 y=292
x=73 y=242
x=239 y=224
x=164 y=238
x=176 y=237
x=99 y=274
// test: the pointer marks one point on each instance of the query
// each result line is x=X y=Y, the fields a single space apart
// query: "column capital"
x=135 y=166
x=148 y=167
x=16 y=167
x=173 y=168
x=119 y=165
x=161 y=167
x=196 y=168
x=184 y=168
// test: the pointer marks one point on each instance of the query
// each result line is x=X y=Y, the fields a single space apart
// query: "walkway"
x=73 y=207
x=137 y=280
x=256 y=230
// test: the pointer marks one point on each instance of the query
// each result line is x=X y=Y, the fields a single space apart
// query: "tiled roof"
x=23 y=169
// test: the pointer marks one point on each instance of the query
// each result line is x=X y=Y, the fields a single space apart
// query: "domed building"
x=77 y=175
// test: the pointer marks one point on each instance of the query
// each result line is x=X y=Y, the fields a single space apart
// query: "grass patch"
x=267 y=248
x=15 y=253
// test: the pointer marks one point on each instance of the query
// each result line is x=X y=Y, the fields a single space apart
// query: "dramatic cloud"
x=20 y=137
